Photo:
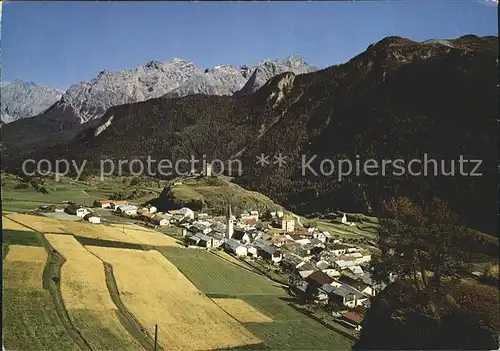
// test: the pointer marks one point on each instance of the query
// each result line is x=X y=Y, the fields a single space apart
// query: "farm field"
x=98 y=231
x=8 y=224
x=86 y=297
x=16 y=234
x=39 y=223
x=241 y=311
x=224 y=255
x=186 y=319
x=126 y=233
x=146 y=236
x=214 y=276
x=29 y=319
x=289 y=329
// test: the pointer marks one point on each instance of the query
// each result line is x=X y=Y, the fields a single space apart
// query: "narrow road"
x=86 y=193
x=298 y=219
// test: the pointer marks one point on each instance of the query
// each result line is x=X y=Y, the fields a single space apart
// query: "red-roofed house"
x=352 y=319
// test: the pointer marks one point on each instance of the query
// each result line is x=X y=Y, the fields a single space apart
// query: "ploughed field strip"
x=86 y=297
x=156 y=292
x=29 y=318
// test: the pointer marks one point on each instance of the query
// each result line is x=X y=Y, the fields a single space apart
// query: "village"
x=318 y=268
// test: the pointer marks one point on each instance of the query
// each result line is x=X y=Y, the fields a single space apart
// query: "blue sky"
x=61 y=43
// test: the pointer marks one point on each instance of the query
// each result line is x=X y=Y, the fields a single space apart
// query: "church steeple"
x=230 y=224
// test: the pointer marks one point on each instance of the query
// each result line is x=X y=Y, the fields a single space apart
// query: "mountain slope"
x=85 y=102
x=25 y=99
x=398 y=99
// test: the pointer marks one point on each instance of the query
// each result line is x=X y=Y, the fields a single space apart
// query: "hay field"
x=14 y=233
x=31 y=255
x=242 y=311
x=86 y=297
x=97 y=231
x=29 y=318
x=157 y=293
x=8 y=224
x=146 y=236
x=39 y=223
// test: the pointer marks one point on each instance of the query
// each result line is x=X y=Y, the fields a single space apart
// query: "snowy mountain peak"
x=295 y=61
x=179 y=60
x=153 y=64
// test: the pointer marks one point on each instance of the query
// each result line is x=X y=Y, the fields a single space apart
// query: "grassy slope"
x=82 y=192
x=214 y=276
x=214 y=194
x=289 y=330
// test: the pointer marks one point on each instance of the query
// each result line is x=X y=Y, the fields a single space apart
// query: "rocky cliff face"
x=86 y=101
x=21 y=99
x=261 y=73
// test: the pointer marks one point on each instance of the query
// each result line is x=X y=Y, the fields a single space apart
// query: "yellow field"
x=155 y=291
x=39 y=223
x=146 y=236
x=29 y=319
x=37 y=255
x=97 y=231
x=242 y=311
x=86 y=296
x=9 y=224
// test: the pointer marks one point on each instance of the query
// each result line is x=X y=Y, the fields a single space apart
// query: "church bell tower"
x=230 y=223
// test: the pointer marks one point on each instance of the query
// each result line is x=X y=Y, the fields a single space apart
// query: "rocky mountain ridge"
x=20 y=99
x=89 y=100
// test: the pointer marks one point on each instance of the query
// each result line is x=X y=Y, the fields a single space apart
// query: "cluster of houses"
x=331 y=273
x=325 y=270
x=83 y=212
x=150 y=214
x=242 y=236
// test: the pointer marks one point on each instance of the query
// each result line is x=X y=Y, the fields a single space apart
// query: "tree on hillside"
x=490 y=275
x=420 y=243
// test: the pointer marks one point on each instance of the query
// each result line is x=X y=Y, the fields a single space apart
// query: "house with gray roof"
x=203 y=240
x=347 y=296
x=267 y=250
x=234 y=246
